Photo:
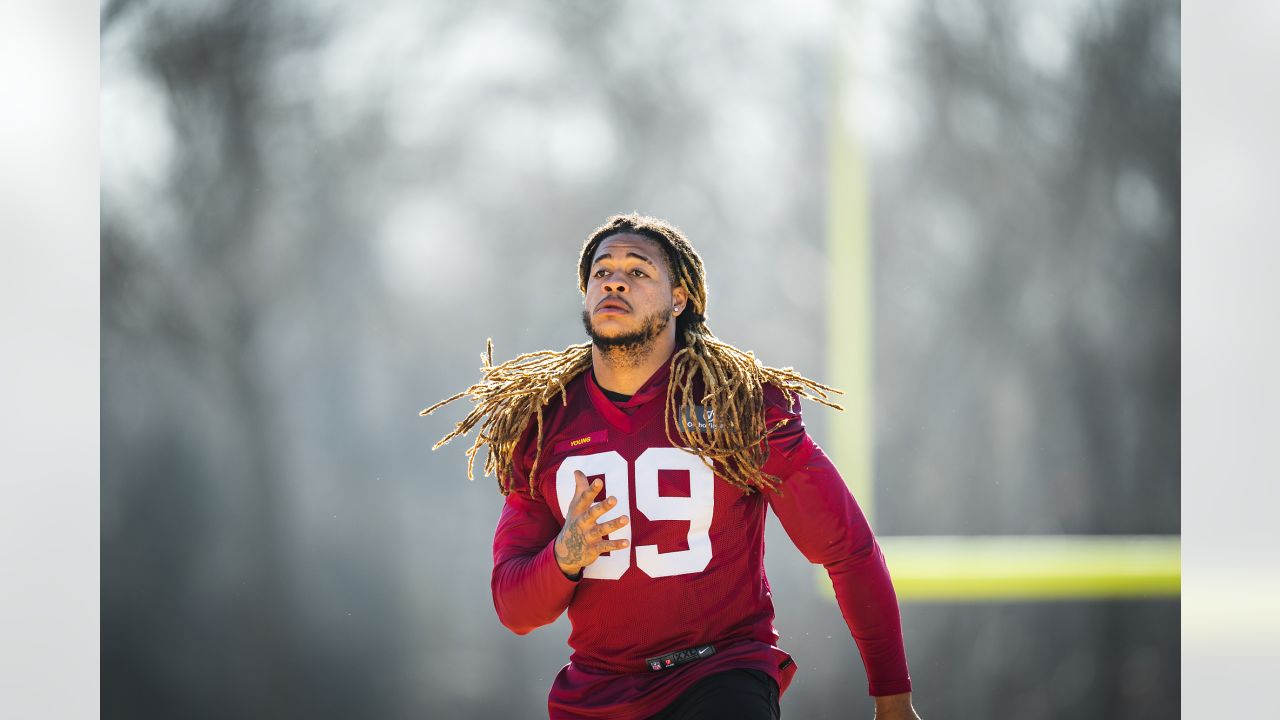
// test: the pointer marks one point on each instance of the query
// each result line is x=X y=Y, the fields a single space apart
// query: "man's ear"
x=679 y=298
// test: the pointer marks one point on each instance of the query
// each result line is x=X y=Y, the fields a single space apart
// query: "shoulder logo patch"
x=700 y=418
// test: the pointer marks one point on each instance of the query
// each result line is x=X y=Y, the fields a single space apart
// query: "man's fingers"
x=605 y=546
x=614 y=524
x=586 y=493
x=594 y=512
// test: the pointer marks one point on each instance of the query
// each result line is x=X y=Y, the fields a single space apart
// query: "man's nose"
x=615 y=286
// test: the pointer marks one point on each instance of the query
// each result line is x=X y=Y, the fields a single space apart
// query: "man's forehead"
x=617 y=246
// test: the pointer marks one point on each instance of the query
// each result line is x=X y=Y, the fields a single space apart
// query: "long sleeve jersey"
x=689 y=596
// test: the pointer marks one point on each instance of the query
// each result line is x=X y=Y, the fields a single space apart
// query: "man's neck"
x=626 y=374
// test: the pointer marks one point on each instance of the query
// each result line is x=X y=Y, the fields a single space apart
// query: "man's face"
x=630 y=298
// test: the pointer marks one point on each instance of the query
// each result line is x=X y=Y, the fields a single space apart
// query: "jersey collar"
x=647 y=401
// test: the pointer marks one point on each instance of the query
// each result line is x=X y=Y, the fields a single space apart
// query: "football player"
x=637 y=470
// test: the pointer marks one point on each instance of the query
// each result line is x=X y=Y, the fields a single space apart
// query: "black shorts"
x=739 y=694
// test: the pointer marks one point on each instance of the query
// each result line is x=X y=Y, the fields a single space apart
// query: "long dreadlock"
x=511 y=395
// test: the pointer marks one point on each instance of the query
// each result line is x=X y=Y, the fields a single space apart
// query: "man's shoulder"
x=780 y=401
x=556 y=414
x=563 y=417
x=567 y=402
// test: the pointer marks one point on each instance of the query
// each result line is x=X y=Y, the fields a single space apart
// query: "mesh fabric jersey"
x=693 y=574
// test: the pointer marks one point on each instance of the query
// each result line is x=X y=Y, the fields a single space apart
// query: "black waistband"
x=680 y=657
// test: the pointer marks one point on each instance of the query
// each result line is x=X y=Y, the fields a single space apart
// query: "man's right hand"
x=581 y=540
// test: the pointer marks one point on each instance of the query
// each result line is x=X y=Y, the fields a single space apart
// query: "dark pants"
x=731 y=695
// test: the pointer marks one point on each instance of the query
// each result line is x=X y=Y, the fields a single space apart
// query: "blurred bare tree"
x=1026 y=226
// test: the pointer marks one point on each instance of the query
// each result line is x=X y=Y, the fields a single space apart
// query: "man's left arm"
x=824 y=521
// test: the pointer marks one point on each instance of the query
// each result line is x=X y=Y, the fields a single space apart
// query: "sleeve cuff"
x=546 y=565
x=891 y=687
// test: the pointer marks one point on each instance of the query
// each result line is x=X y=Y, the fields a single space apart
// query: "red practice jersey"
x=692 y=581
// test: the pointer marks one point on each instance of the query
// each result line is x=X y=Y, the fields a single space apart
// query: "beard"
x=627 y=348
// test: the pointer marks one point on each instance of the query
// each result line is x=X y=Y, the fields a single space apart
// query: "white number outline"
x=697 y=509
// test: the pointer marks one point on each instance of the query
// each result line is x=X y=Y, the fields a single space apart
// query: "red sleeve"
x=529 y=590
x=825 y=523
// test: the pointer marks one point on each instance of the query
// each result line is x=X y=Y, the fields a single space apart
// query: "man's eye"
x=602 y=271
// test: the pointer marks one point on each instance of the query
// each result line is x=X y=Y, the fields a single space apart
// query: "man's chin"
x=618 y=337
x=608 y=334
x=607 y=341
x=609 y=329
x=611 y=325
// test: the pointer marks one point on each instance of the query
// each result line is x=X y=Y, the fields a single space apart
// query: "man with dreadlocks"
x=637 y=469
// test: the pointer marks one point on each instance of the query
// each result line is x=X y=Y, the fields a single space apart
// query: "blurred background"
x=314 y=214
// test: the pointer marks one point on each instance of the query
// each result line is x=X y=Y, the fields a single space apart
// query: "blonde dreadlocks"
x=511 y=395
